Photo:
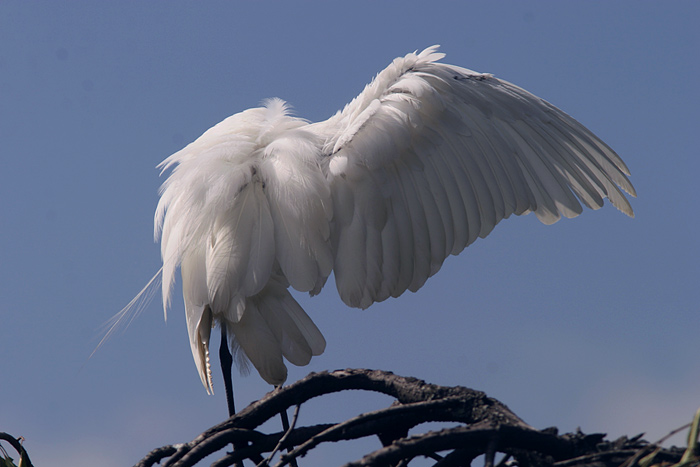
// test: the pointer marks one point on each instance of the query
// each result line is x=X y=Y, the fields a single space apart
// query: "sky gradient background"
x=591 y=322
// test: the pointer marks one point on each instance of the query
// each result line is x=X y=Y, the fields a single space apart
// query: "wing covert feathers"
x=428 y=158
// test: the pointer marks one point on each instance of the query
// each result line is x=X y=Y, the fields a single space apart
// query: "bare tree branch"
x=17 y=445
x=486 y=426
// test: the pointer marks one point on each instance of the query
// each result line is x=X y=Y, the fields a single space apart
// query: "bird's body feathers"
x=428 y=158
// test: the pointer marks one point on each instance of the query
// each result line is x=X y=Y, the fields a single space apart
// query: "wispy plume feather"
x=125 y=316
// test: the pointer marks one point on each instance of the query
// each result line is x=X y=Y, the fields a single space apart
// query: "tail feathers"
x=274 y=326
x=299 y=337
x=259 y=344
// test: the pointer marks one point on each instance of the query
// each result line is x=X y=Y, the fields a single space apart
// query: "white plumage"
x=425 y=160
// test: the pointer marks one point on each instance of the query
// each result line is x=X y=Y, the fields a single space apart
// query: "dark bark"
x=17 y=446
x=486 y=427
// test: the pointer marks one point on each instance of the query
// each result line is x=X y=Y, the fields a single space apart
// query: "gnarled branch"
x=486 y=426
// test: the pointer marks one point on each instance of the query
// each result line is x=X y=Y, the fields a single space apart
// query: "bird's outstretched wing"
x=430 y=156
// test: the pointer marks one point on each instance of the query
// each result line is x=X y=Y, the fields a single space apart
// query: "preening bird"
x=428 y=158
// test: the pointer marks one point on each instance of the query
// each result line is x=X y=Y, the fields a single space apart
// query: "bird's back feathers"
x=245 y=205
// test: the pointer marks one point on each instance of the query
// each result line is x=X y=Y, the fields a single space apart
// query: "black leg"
x=285 y=427
x=285 y=420
x=226 y=365
x=226 y=361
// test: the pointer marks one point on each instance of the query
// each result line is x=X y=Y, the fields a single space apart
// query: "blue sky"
x=591 y=322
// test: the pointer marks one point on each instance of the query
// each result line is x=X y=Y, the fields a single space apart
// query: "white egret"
x=428 y=158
